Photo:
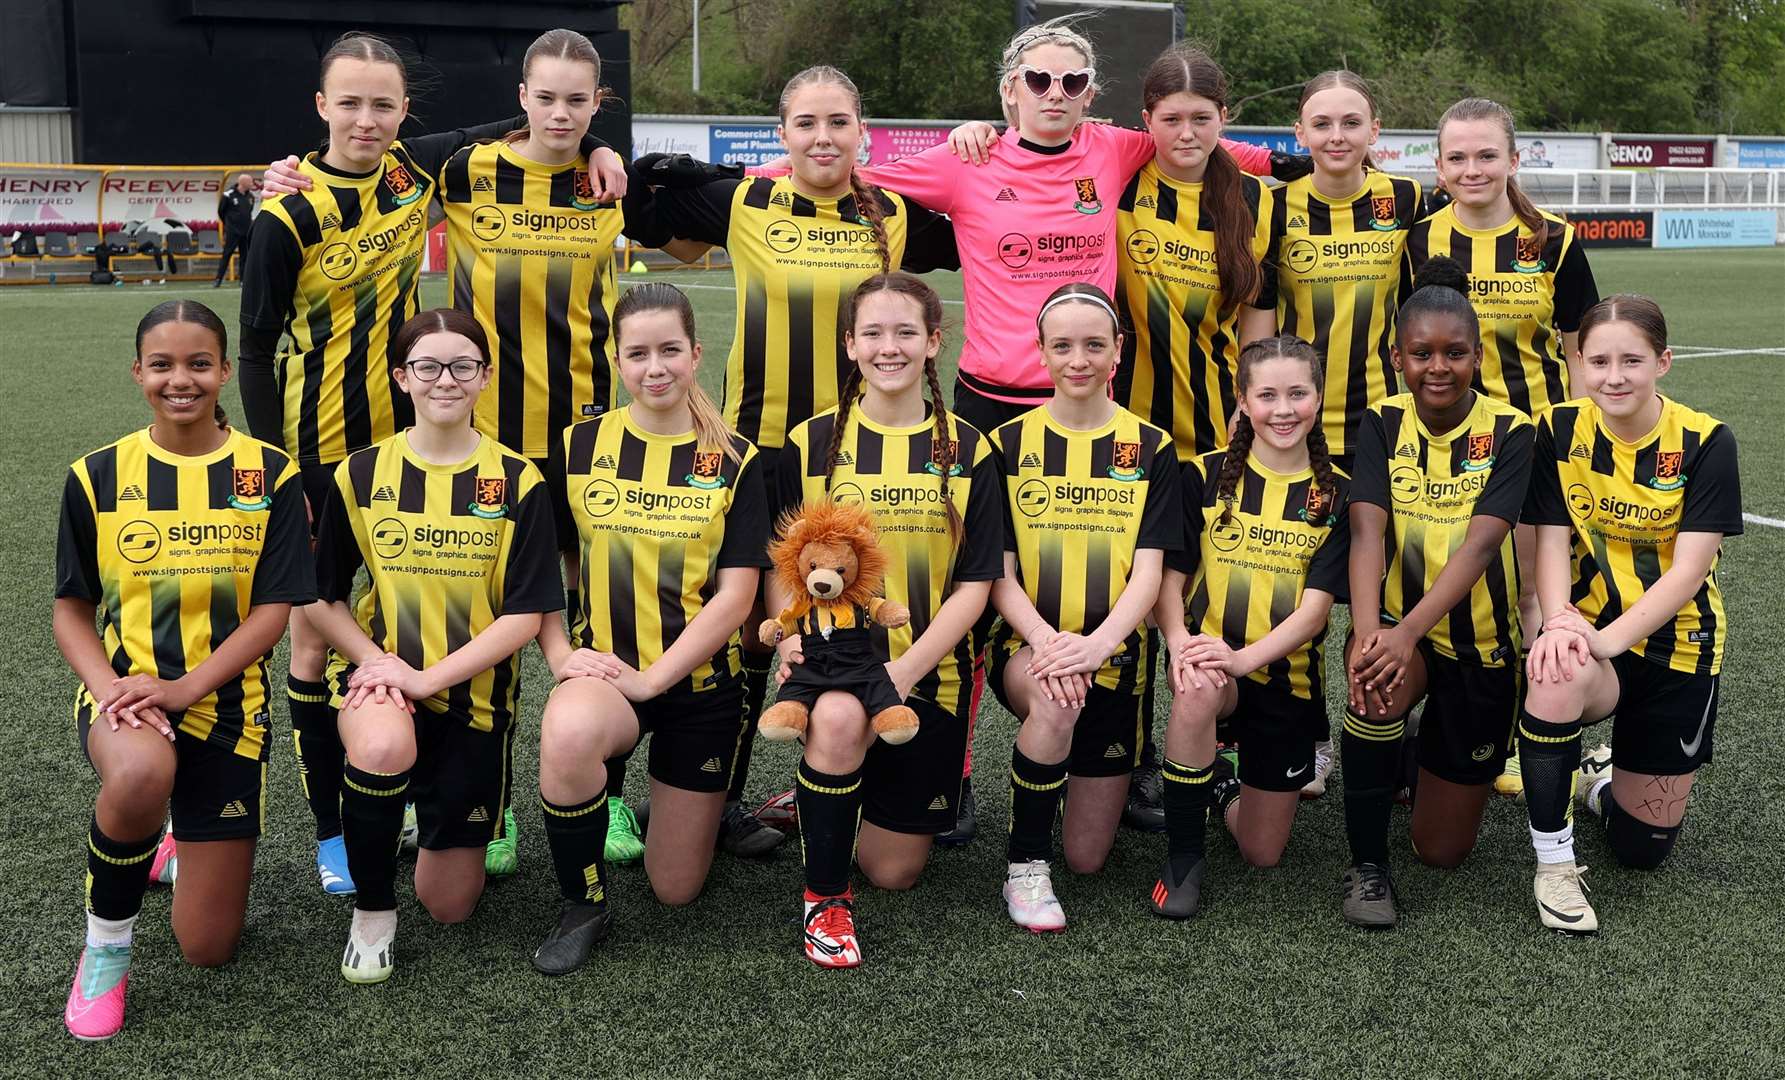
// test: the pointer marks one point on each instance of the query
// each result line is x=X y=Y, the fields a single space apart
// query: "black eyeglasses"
x=463 y=369
x=1072 y=83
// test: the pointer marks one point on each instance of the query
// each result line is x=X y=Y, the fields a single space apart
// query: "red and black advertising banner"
x=1634 y=153
x=1613 y=228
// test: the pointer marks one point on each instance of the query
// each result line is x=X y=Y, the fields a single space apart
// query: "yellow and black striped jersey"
x=174 y=551
x=1526 y=298
x=1431 y=485
x=1078 y=505
x=896 y=473
x=1627 y=503
x=1182 y=344
x=449 y=550
x=1248 y=573
x=531 y=255
x=657 y=518
x=795 y=260
x=1339 y=280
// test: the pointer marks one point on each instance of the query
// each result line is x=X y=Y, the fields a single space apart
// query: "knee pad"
x=1637 y=844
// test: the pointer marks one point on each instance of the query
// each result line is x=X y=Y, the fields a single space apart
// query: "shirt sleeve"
x=286 y=573
x=270 y=273
x=931 y=176
x=1543 y=499
x=789 y=481
x=1183 y=560
x=640 y=221
x=1264 y=249
x=77 y=545
x=338 y=556
x=700 y=213
x=746 y=540
x=432 y=151
x=1504 y=495
x=1714 y=488
x=531 y=582
x=1161 y=518
x=1253 y=158
x=981 y=556
x=1329 y=570
x=1004 y=495
x=929 y=241
x=1575 y=288
x=1369 y=471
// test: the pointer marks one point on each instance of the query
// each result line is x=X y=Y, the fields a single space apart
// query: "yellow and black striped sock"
x=1186 y=812
x=830 y=810
x=117 y=872
x=1035 y=791
x=1371 y=749
x=577 y=836
x=372 y=822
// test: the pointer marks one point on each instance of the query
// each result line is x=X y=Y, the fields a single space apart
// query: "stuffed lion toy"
x=829 y=558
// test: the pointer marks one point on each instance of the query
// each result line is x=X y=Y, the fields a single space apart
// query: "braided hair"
x=902 y=284
x=1288 y=346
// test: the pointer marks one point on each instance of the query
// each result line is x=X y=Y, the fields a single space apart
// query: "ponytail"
x=1236 y=268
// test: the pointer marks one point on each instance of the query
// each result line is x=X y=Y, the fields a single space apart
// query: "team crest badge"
x=1124 y=462
x=491 y=497
x=708 y=469
x=944 y=457
x=249 y=490
x=1317 y=507
x=1528 y=256
x=582 y=191
x=1667 y=470
x=402 y=186
x=1382 y=214
x=1085 y=187
x=1480 y=452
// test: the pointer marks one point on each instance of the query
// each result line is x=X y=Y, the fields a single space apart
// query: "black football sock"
x=317 y=743
x=577 y=836
x=1035 y=791
x=1549 y=757
x=118 y=872
x=372 y=820
x=830 y=810
x=1186 y=813
x=616 y=779
x=1372 y=753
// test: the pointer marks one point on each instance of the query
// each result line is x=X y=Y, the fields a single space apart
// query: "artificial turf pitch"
x=1684 y=978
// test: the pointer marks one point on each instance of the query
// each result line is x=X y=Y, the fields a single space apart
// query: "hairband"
x=1089 y=298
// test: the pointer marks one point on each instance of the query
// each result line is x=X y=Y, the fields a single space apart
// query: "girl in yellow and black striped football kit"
x=672 y=525
x=1194 y=283
x=1632 y=494
x=799 y=244
x=187 y=541
x=1340 y=247
x=334 y=265
x=1528 y=277
x=931 y=482
x=1243 y=611
x=455 y=534
x=1440 y=478
x=1090 y=509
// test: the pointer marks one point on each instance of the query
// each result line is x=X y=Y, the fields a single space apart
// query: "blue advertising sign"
x=1716 y=228
x=1760 y=154
x=746 y=144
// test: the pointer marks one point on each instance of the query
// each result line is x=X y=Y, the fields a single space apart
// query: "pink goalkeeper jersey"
x=1029 y=221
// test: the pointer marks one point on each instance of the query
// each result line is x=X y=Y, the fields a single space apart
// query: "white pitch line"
x=1756 y=519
